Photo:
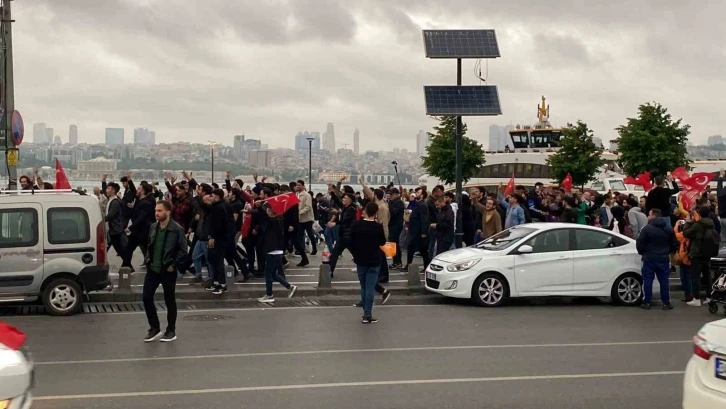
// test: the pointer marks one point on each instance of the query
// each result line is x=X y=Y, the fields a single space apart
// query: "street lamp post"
x=310 y=163
x=211 y=150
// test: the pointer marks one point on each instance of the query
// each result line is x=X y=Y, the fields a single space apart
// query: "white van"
x=52 y=247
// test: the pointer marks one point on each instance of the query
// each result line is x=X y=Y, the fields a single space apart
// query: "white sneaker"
x=266 y=299
x=708 y=301
x=291 y=291
x=694 y=303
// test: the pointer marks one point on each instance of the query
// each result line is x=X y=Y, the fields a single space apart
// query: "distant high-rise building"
x=499 y=137
x=329 y=139
x=39 y=133
x=114 y=136
x=715 y=140
x=143 y=136
x=597 y=141
x=422 y=142
x=57 y=140
x=356 y=142
x=238 y=145
x=260 y=159
x=73 y=135
x=49 y=134
x=301 y=141
x=613 y=146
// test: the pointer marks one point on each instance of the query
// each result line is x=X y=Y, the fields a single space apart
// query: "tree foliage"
x=440 y=159
x=578 y=155
x=652 y=142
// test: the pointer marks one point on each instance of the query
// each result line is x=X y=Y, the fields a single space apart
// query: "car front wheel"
x=628 y=290
x=490 y=290
x=63 y=297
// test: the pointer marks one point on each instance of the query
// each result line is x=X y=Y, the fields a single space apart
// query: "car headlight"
x=463 y=266
x=4 y=404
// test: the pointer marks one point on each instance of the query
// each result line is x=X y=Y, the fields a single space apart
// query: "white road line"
x=315 y=282
x=357 y=351
x=360 y=384
x=217 y=310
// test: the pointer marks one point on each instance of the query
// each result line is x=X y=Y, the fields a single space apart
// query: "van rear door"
x=21 y=251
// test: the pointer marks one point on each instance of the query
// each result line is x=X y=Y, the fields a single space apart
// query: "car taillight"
x=100 y=244
x=11 y=337
x=701 y=347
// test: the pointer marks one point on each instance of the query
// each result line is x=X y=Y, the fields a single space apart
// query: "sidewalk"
x=345 y=282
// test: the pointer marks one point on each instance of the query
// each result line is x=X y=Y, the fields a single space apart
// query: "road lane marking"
x=359 y=384
x=356 y=351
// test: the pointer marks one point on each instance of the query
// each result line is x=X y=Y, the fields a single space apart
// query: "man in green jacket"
x=167 y=250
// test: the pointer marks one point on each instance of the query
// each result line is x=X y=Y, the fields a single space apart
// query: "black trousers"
x=216 y=259
x=701 y=268
x=394 y=235
x=442 y=246
x=296 y=244
x=307 y=227
x=383 y=274
x=119 y=242
x=234 y=259
x=338 y=249
x=168 y=283
x=135 y=241
x=250 y=248
x=420 y=244
x=260 y=251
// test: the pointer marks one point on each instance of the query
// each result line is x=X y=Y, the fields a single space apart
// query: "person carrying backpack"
x=705 y=242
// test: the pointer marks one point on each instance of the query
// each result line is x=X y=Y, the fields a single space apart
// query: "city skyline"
x=367 y=67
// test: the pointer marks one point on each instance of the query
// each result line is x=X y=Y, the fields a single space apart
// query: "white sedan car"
x=704 y=385
x=541 y=259
x=16 y=370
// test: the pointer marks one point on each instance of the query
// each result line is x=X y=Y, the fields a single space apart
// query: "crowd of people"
x=231 y=224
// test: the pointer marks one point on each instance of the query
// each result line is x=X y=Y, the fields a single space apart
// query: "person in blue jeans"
x=366 y=238
x=655 y=244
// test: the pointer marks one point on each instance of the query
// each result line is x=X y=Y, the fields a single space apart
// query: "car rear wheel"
x=63 y=297
x=490 y=290
x=628 y=290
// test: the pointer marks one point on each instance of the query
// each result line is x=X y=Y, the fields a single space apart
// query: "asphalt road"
x=567 y=356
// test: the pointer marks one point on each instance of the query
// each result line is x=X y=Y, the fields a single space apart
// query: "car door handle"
x=562 y=258
x=616 y=253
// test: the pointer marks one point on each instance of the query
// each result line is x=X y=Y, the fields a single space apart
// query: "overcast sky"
x=206 y=70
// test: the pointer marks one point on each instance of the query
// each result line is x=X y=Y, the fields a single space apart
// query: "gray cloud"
x=272 y=67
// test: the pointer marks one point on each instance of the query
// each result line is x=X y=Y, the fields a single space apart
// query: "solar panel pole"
x=459 y=160
x=310 y=163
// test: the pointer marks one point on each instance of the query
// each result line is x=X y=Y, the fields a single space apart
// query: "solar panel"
x=461 y=44
x=468 y=100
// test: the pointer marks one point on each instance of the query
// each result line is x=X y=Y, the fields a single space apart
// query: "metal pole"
x=459 y=161
x=211 y=148
x=9 y=91
x=310 y=164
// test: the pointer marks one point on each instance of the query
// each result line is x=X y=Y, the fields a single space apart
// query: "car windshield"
x=504 y=239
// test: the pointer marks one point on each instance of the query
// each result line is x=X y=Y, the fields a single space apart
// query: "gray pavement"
x=453 y=356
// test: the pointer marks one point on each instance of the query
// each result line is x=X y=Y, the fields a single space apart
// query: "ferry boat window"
x=617 y=185
x=520 y=139
x=540 y=139
x=528 y=171
x=598 y=186
x=520 y=170
x=555 y=138
x=510 y=168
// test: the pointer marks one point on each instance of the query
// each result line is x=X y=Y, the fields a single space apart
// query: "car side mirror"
x=526 y=249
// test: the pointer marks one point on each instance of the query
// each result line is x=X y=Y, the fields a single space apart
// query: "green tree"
x=578 y=155
x=440 y=160
x=652 y=142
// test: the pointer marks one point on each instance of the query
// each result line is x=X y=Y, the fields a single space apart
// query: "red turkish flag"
x=11 y=337
x=689 y=197
x=282 y=203
x=680 y=174
x=567 y=183
x=699 y=180
x=61 y=181
x=510 y=186
x=642 y=180
x=246 y=224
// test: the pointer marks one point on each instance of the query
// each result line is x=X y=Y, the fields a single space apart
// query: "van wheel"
x=490 y=290
x=63 y=297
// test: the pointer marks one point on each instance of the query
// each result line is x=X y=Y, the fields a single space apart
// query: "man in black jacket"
x=115 y=220
x=167 y=250
x=345 y=221
x=436 y=193
x=366 y=237
x=655 y=244
x=444 y=226
x=395 y=224
x=418 y=230
x=128 y=198
x=218 y=241
x=272 y=242
x=142 y=217
x=660 y=198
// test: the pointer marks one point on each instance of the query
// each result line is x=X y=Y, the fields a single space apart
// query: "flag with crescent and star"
x=61 y=181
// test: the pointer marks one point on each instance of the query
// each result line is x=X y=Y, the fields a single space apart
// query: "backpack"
x=710 y=243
